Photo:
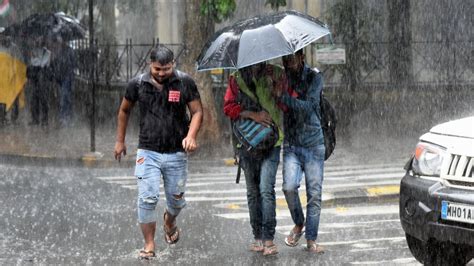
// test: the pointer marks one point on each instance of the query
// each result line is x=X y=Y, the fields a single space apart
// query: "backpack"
x=328 y=124
x=256 y=139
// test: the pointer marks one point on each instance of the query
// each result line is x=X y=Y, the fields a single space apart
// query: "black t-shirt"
x=164 y=122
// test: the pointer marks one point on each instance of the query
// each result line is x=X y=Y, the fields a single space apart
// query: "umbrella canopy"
x=260 y=38
x=13 y=76
x=47 y=25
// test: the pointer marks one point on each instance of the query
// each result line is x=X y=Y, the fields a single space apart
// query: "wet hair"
x=161 y=54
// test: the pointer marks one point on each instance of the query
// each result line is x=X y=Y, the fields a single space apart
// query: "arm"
x=232 y=109
x=195 y=109
x=122 y=122
x=311 y=102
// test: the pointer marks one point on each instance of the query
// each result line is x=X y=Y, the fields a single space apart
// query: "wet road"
x=83 y=216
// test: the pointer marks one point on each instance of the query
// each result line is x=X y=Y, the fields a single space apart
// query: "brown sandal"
x=292 y=239
x=270 y=250
x=315 y=248
x=146 y=255
x=257 y=246
x=170 y=233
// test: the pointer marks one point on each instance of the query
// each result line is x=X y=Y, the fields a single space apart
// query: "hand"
x=119 y=150
x=189 y=144
x=263 y=118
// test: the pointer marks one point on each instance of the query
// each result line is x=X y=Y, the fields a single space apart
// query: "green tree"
x=198 y=27
x=217 y=10
x=275 y=4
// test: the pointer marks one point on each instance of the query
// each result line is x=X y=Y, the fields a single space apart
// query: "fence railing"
x=117 y=63
x=432 y=62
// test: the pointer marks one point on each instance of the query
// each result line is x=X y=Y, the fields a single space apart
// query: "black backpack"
x=328 y=121
x=328 y=124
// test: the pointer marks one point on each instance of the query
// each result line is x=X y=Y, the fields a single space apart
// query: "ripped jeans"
x=149 y=168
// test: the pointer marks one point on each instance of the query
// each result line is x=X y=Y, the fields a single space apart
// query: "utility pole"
x=92 y=71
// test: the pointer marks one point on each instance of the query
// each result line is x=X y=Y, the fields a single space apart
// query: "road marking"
x=213 y=186
x=403 y=261
x=337 y=243
x=384 y=190
x=367 y=224
x=130 y=183
x=366 y=249
x=367 y=210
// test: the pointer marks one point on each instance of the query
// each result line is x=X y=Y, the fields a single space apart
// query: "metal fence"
x=432 y=62
x=117 y=63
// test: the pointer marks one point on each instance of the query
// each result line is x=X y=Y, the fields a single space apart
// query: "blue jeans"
x=310 y=161
x=65 y=99
x=149 y=168
x=260 y=178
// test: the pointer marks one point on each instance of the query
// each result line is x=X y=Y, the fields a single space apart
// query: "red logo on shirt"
x=174 y=96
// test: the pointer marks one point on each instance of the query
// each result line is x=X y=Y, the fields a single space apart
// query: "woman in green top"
x=249 y=96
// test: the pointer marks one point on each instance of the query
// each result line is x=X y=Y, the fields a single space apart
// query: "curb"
x=363 y=195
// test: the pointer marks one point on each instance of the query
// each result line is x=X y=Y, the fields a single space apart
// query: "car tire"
x=418 y=248
x=446 y=253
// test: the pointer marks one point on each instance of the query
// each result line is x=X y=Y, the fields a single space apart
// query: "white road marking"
x=213 y=186
x=403 y=261
x=366 y=210
x=349 y=242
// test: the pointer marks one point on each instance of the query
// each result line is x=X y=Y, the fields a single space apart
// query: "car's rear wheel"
x=417 y=248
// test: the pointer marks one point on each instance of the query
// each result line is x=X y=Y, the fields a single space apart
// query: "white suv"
x=437 y=195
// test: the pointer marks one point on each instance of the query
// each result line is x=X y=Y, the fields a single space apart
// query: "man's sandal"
x=170 y=233
x=292 y=239
x=146 y=255
x=257 y=246
x=270 y=250
x=315 y=248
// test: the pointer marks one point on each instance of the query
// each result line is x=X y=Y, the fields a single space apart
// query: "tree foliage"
x=218 y=10
x=275 y=4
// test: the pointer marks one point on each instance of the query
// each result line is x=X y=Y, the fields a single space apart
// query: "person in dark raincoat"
x=166 y=135
x=63 y=65
x=39 y=76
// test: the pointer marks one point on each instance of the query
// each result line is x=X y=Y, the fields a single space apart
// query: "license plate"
x=457 y=212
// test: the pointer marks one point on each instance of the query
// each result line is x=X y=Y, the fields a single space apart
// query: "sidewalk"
x=70 y=147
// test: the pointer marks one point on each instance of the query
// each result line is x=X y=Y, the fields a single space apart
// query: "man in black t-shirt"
x=166 y=135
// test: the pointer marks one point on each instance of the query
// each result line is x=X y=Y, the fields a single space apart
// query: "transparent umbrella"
x=260 y=38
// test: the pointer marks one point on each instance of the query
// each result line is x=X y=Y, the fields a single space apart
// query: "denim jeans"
x=149 y=168
x=65 y=100
x=260 y=178
x=310 y=161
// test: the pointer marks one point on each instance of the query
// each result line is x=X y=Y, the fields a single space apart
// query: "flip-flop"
x=146 y=255
x=169 y=233
x=270 y=250
x=315 y=248
x=257 y=246
x=295 y=236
